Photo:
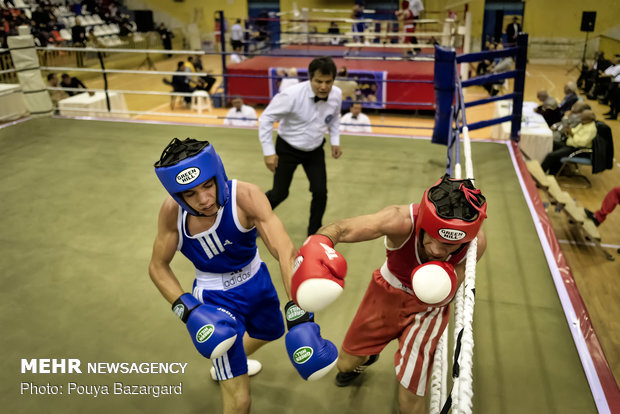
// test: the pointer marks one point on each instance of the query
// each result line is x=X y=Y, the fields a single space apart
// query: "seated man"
x=501 y=65
x=548 y=108
x=180 y=83
x=71 y=82
x=580 y=136
x=570 y=119
x=589 y=73
x=55 y=95
x=355 y=121
x=334 y=30
x=240 y=114
x=205 y=82
x=570 y=97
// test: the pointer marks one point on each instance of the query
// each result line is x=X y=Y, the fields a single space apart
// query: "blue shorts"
x=256 y=306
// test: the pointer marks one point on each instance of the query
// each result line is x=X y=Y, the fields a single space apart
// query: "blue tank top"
x=225 y=247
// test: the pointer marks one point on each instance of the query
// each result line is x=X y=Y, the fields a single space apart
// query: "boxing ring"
x=404 y=82
x=92 y=218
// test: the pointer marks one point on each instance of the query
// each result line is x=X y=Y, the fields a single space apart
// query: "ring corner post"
x=444 y=80
x=519 y=86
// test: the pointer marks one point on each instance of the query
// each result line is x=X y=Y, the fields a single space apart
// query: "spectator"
x=236 y=35
x=580 y=136
x=92 y=40
x=236 y=56
x=548 y=108
x=204 y=82
x=180 y=83
x=570 y=97
x=334 y=30
x=189 y=65
x=240 y=114
x=166 y=37
x=55 y=95
x=71 y=82
x=570 y=119
x=499 y=66
x=484 y=66
x=78 y=38
x=614 y=99
x=355 y=121
x=589 y=73
x=604 y=79
x=512 y=31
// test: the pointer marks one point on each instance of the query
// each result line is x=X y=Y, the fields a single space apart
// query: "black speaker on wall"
x=144 y=20
x=588 y=18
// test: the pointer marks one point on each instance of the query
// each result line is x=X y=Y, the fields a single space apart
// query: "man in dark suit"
x=512 y=31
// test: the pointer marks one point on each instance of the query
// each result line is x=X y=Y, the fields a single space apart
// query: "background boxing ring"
x=92 y=218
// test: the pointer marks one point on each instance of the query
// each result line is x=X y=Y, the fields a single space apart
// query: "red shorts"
x=388 y=313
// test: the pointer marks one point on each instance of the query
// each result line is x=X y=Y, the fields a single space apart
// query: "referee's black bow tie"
x=316 y=99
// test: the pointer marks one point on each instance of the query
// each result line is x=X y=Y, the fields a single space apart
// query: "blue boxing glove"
x=311 y=355
x=213 y=330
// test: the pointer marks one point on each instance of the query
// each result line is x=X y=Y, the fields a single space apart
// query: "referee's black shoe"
x=346 y=378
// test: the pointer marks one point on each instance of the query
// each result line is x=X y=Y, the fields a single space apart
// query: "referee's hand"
x=336 y=151
x=271 y=161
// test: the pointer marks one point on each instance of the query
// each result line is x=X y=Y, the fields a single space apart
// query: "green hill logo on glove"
x=294 y=312
x=204 y=333
x=302 y=354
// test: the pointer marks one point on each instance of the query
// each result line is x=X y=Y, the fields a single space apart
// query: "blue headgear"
x=186 y=164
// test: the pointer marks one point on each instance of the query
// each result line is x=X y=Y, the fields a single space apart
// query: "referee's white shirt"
x=246 y=117
x=359 y=124
x=303 y=123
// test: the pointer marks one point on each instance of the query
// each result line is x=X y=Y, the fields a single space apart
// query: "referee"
x=305 y=112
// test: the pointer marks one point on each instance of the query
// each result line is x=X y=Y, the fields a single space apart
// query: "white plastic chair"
x=200 y=101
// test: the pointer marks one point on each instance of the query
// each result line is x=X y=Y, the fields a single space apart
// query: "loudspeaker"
x=588 y=18
x=144 y=20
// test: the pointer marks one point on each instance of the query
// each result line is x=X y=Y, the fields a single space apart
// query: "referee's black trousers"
x=313 y=163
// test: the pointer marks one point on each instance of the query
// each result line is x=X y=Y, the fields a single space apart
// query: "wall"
x=200 y=12
x=554 y=28
x=553 y=25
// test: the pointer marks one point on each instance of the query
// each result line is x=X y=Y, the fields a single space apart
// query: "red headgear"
x=449 y=221
x=405 y=5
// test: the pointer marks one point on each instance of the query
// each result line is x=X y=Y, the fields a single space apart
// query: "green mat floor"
x=78 y=217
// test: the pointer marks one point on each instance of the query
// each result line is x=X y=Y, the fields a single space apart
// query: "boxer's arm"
x=393 y=222
x=255 y=210
x=164 y=248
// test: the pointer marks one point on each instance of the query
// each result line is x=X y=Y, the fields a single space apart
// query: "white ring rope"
x=462 y=392
x=99 y=49
x=126 y=71
x=128 y=112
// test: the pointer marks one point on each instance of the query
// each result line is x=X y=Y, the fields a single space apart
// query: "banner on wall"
x=367 y=86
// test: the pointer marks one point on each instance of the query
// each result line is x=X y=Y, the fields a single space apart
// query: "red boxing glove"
x=318 y=274
x=434 y=283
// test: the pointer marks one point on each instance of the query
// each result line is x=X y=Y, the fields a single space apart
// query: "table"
x=11 y=102
x=536 y=136
x=84 y=104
